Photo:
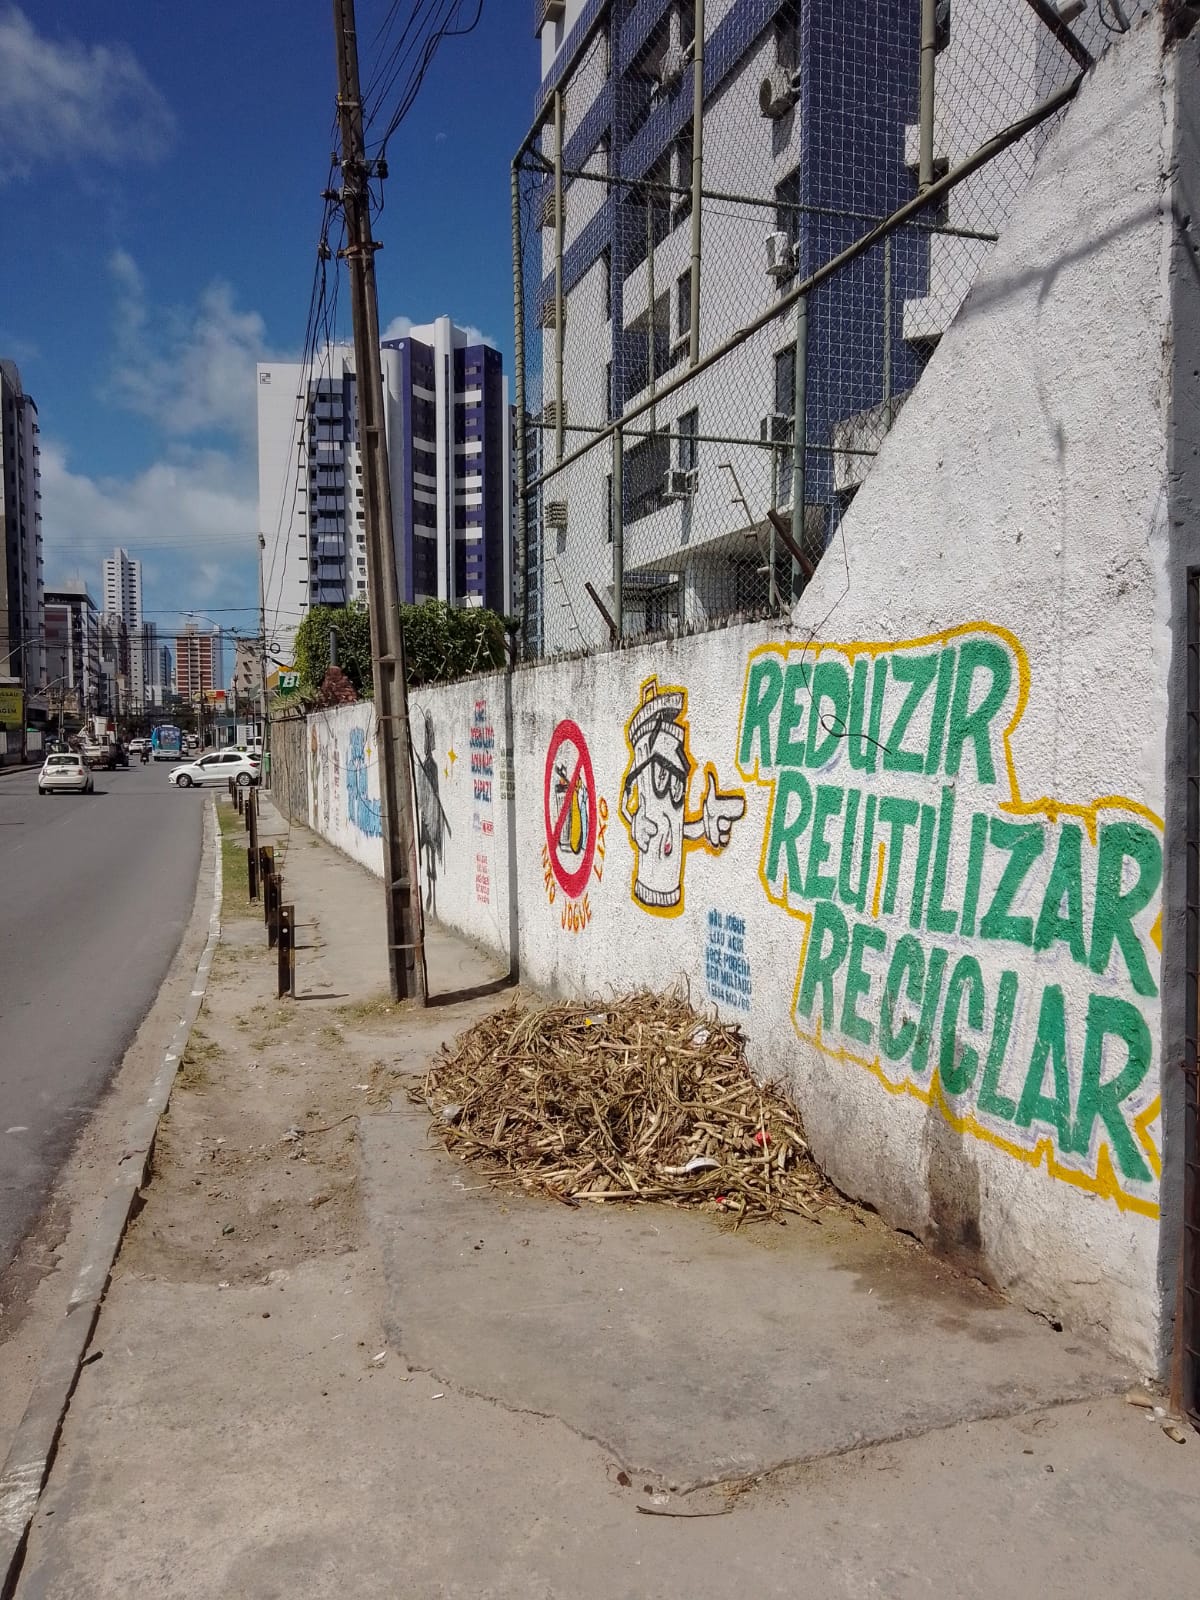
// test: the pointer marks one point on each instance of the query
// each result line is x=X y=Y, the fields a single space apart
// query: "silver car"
x=66 y=772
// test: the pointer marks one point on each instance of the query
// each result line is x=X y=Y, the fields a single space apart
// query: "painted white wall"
x=343 y=782
x=1008 y=552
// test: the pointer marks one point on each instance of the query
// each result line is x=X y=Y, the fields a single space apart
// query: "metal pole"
x=520 y=533
x=697 y=179
x=799 y=435
x=404 y=931
x=559 y=308
x=928 y=52
x=264 y=719
x=887 y=318
x=772 y=586
x=618 y=522
x=650 y=314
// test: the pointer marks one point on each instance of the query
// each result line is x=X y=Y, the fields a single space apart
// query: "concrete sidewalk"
x=336 y=1362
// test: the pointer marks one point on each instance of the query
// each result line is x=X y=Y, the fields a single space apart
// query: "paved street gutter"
x=32 y=1451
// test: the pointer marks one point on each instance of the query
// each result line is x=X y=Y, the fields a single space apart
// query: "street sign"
x=12 y=705
x=289 y=682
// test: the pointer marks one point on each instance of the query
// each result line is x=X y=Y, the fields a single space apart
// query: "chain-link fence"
x=737 y=226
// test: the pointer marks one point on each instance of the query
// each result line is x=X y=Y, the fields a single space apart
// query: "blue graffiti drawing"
x=365 y=814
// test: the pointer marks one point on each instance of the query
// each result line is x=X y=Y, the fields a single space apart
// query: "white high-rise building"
x=123 y=598
x=446 y=414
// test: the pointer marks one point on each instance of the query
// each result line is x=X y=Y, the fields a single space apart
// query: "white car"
x=66 y=772
x=136 y=746
x=218 y=767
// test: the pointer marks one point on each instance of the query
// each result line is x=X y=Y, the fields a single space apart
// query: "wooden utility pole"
x=406 y=962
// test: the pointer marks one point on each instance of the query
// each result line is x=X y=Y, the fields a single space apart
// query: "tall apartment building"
x=151 y=665
x=166 y=674
x=115 y=664
x=73 y=649
x=123 y=598
x=246 y=684
x=22 y=623
x=810 y=116
x=445 y=413
x=198 y=665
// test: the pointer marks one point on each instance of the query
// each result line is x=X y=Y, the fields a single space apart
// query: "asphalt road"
x=95 y=892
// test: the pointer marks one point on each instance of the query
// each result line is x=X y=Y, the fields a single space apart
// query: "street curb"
x=31 y=1455
x=29 y=766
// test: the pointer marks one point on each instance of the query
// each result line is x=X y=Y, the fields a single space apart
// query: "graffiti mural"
x=433 y=825
x=363 y=812
x=726 y=965
x=483 y=748
x=994 y=957
x=576 y=820
x=654 y=800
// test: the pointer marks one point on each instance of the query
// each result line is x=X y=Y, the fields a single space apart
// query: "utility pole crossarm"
x=406 y=960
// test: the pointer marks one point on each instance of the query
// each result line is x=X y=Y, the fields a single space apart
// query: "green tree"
x=443 y=642
x=353 y=627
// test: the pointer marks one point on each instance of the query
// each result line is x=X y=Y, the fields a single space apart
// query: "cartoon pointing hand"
x=719 y=813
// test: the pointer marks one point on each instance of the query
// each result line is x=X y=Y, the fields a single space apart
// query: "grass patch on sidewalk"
x=235 y=870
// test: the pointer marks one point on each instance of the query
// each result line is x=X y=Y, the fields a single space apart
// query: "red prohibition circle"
x=572 y=884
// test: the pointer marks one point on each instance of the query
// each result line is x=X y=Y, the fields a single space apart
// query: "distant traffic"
x=70 y=762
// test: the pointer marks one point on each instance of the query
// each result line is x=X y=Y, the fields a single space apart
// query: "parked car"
x=68 y=773
x=218 y=767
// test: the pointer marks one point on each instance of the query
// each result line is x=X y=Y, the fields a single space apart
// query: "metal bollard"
x=252 y=871
x=287 y=951
x=266 y=866
x=274 y=900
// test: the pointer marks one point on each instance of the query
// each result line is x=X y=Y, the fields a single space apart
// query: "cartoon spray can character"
x=574 y=831
x=654 y=799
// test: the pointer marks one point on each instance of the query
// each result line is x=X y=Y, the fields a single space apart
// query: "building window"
x=787 y=201
x=688 y=429
x=787 y=37
x=683 y=304
x=781 y=422
x=685 y=10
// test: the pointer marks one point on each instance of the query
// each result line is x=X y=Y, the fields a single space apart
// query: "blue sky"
x=160 y=178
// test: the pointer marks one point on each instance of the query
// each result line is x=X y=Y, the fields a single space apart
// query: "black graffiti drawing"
x=433 y=826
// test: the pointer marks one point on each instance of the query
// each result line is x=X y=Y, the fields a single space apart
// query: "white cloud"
x=401 y=327
x=66 y=101
x=192 y=520
x=188 y=370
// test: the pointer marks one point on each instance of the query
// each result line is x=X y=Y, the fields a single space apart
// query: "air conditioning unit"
x=550 y=413
x=556 y=513
x=778 y=93
x=549 y=211
x=781 y=256
x=680 y=483
x=548 y=316
x=675 y=59
x=776 y=429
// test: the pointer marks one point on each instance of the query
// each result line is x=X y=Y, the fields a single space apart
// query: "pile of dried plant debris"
x=634 y=1099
